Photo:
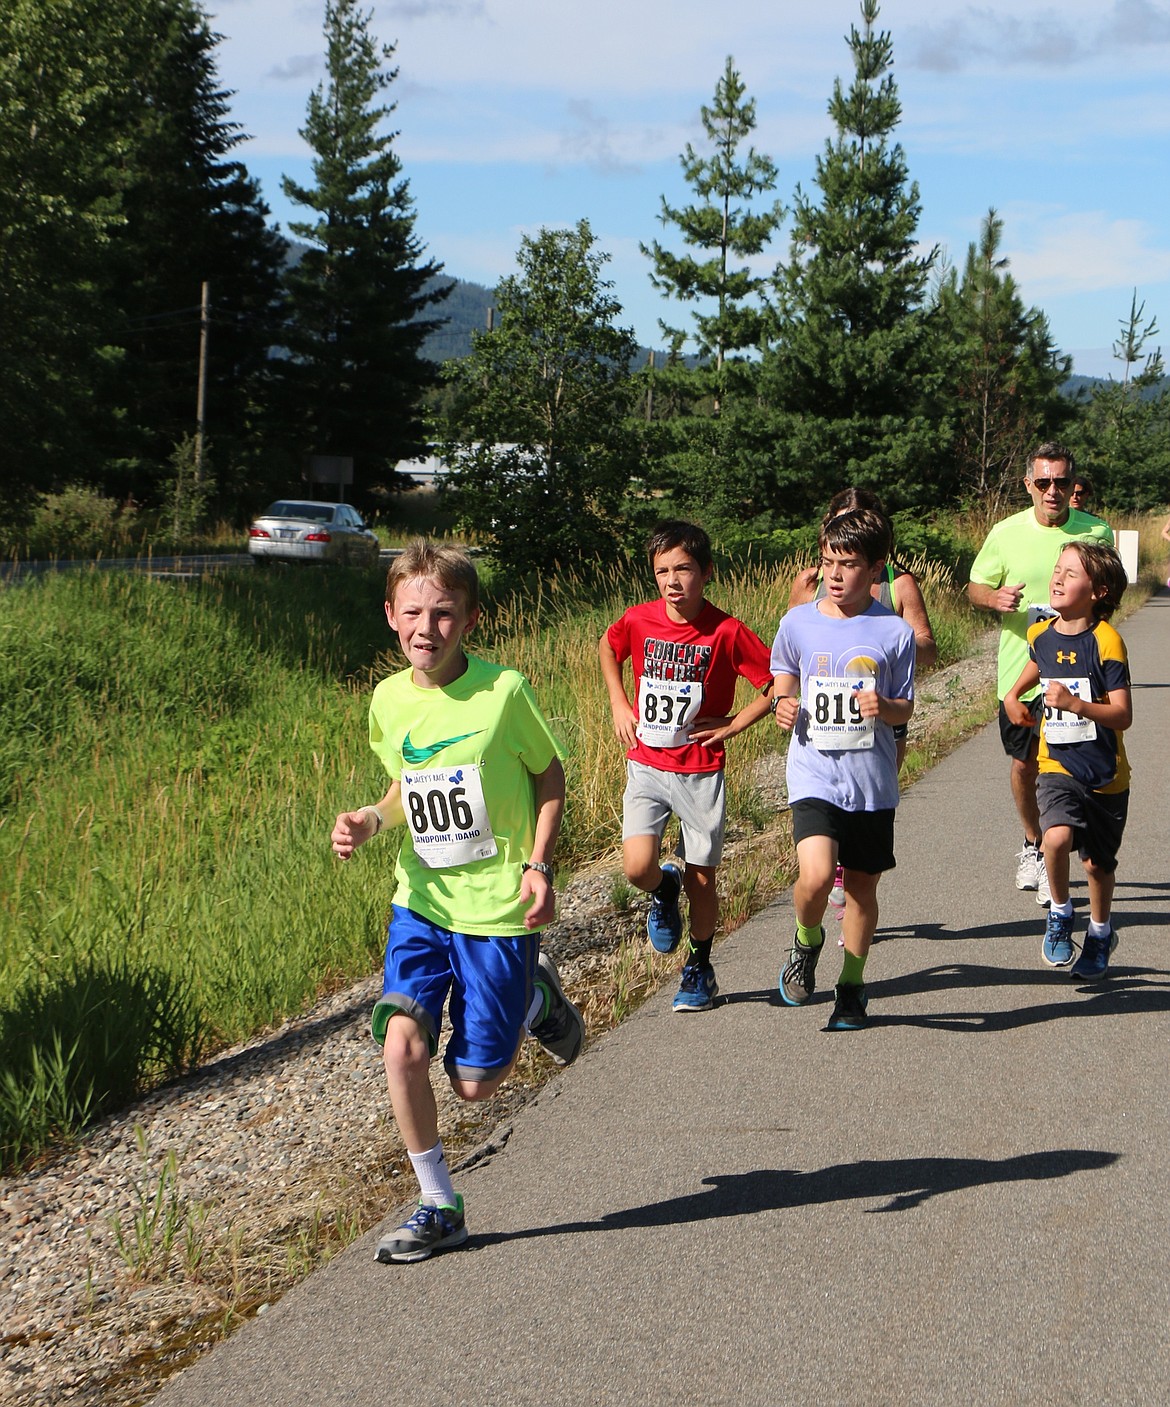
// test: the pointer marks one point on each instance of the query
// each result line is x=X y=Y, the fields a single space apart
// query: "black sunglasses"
x=1043 y=484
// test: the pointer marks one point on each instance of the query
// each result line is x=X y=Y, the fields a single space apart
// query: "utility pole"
x=201 y=396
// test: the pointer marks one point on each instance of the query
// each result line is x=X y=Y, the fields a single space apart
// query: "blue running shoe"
x=1058 y=944
x=1093 y=962
x=664 y=922
x=798 y=981
x=430 y=1229
x=697 y=989
x=849 y=1013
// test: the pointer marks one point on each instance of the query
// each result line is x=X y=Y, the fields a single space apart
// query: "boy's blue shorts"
x=489 y=981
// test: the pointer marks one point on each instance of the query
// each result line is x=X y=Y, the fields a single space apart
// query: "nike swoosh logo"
x=416 y=756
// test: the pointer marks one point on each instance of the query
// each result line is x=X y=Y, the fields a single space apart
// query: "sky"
x=513 y=115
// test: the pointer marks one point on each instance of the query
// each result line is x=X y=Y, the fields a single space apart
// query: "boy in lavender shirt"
x=844 y=679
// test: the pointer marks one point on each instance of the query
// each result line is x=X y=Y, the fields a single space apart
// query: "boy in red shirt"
x=686 y=655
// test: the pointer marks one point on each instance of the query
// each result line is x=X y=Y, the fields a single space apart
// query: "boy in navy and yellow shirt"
x=1080 y=662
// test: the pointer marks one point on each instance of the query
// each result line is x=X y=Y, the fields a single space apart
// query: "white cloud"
x=1039 y=38
x=1053 y=254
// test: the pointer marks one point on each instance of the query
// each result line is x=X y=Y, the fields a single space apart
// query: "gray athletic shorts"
x=1097 y=819
x=696 y=798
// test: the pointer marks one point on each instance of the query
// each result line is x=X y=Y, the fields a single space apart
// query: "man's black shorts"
x=865 y=839
x=1020 y=743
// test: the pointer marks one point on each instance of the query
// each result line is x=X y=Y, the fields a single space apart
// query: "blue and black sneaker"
x=664 y=922
x=1093 y=962
x=849 y=1013
x=696 y=991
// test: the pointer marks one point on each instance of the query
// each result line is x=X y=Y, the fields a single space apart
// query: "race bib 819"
x=835 y=723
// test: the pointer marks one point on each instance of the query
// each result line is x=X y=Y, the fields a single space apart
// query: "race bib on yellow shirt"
x=666 y=710
x=835 y=723
x=447 y=816
x=1063 y=728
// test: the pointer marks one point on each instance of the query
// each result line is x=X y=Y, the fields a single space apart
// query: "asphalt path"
x=967 y=1202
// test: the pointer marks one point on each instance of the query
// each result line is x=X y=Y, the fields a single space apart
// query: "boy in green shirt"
x=476 y=777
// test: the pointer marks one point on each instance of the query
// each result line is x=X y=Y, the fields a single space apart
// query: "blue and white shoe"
x=1093 y=962
x=664 y=922
x=428 y=1230
x=697 y=989
x=1058 y=943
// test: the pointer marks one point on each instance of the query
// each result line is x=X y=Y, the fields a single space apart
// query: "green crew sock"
x=852 y=970
x=699 y=954
x=810 y=937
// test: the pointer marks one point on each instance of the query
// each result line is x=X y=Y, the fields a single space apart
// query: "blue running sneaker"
x=798 y=981
x=1058 y=944
x=849 y=1013
x=1093 y=962
x=430 y=1229
x=664 y=922
x=696 y=991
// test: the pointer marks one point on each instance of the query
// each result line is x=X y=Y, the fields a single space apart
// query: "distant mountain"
x=1083 y=387
x=466 y=310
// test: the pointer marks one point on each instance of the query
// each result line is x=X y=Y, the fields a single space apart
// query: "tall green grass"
x=172 y=757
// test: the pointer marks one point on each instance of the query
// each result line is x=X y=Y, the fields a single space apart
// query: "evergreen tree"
x=541 y=458
x=1007 y=373
x=58 y=213
x=1122 y=435
x=722 y=229
x=852 y=375
x=119 y=199
x=355 y=332
x=192 y=215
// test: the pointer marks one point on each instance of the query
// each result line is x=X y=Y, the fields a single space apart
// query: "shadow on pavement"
x=905 y=1182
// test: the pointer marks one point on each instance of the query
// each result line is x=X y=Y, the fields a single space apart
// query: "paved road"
x=967 y=1203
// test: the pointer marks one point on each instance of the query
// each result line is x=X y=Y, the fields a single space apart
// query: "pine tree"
x=192 y=214
x=1006 y=376
x=59 y=212
x=121 y=197
x=1123 y=430
x=540 y=453
x=852 y=372
x=356 y=296
x=723 y=229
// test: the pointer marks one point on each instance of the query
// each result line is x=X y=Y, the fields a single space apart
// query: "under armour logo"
x=1069 y=658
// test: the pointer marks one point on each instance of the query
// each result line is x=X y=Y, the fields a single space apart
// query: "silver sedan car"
x=303 y=530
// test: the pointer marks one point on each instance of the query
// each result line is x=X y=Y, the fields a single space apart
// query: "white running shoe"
x=1029 y=867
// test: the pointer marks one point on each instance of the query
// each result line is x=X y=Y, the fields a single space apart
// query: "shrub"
x=79 y=522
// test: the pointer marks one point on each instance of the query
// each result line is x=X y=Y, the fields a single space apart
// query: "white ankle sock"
x=434 y=1180
x=1064 y=910
x=1099 y=930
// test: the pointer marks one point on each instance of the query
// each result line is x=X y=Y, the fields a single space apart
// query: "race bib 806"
x=447 y=816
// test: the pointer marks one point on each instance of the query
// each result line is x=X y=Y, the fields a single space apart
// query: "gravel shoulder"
x=128 y=1255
